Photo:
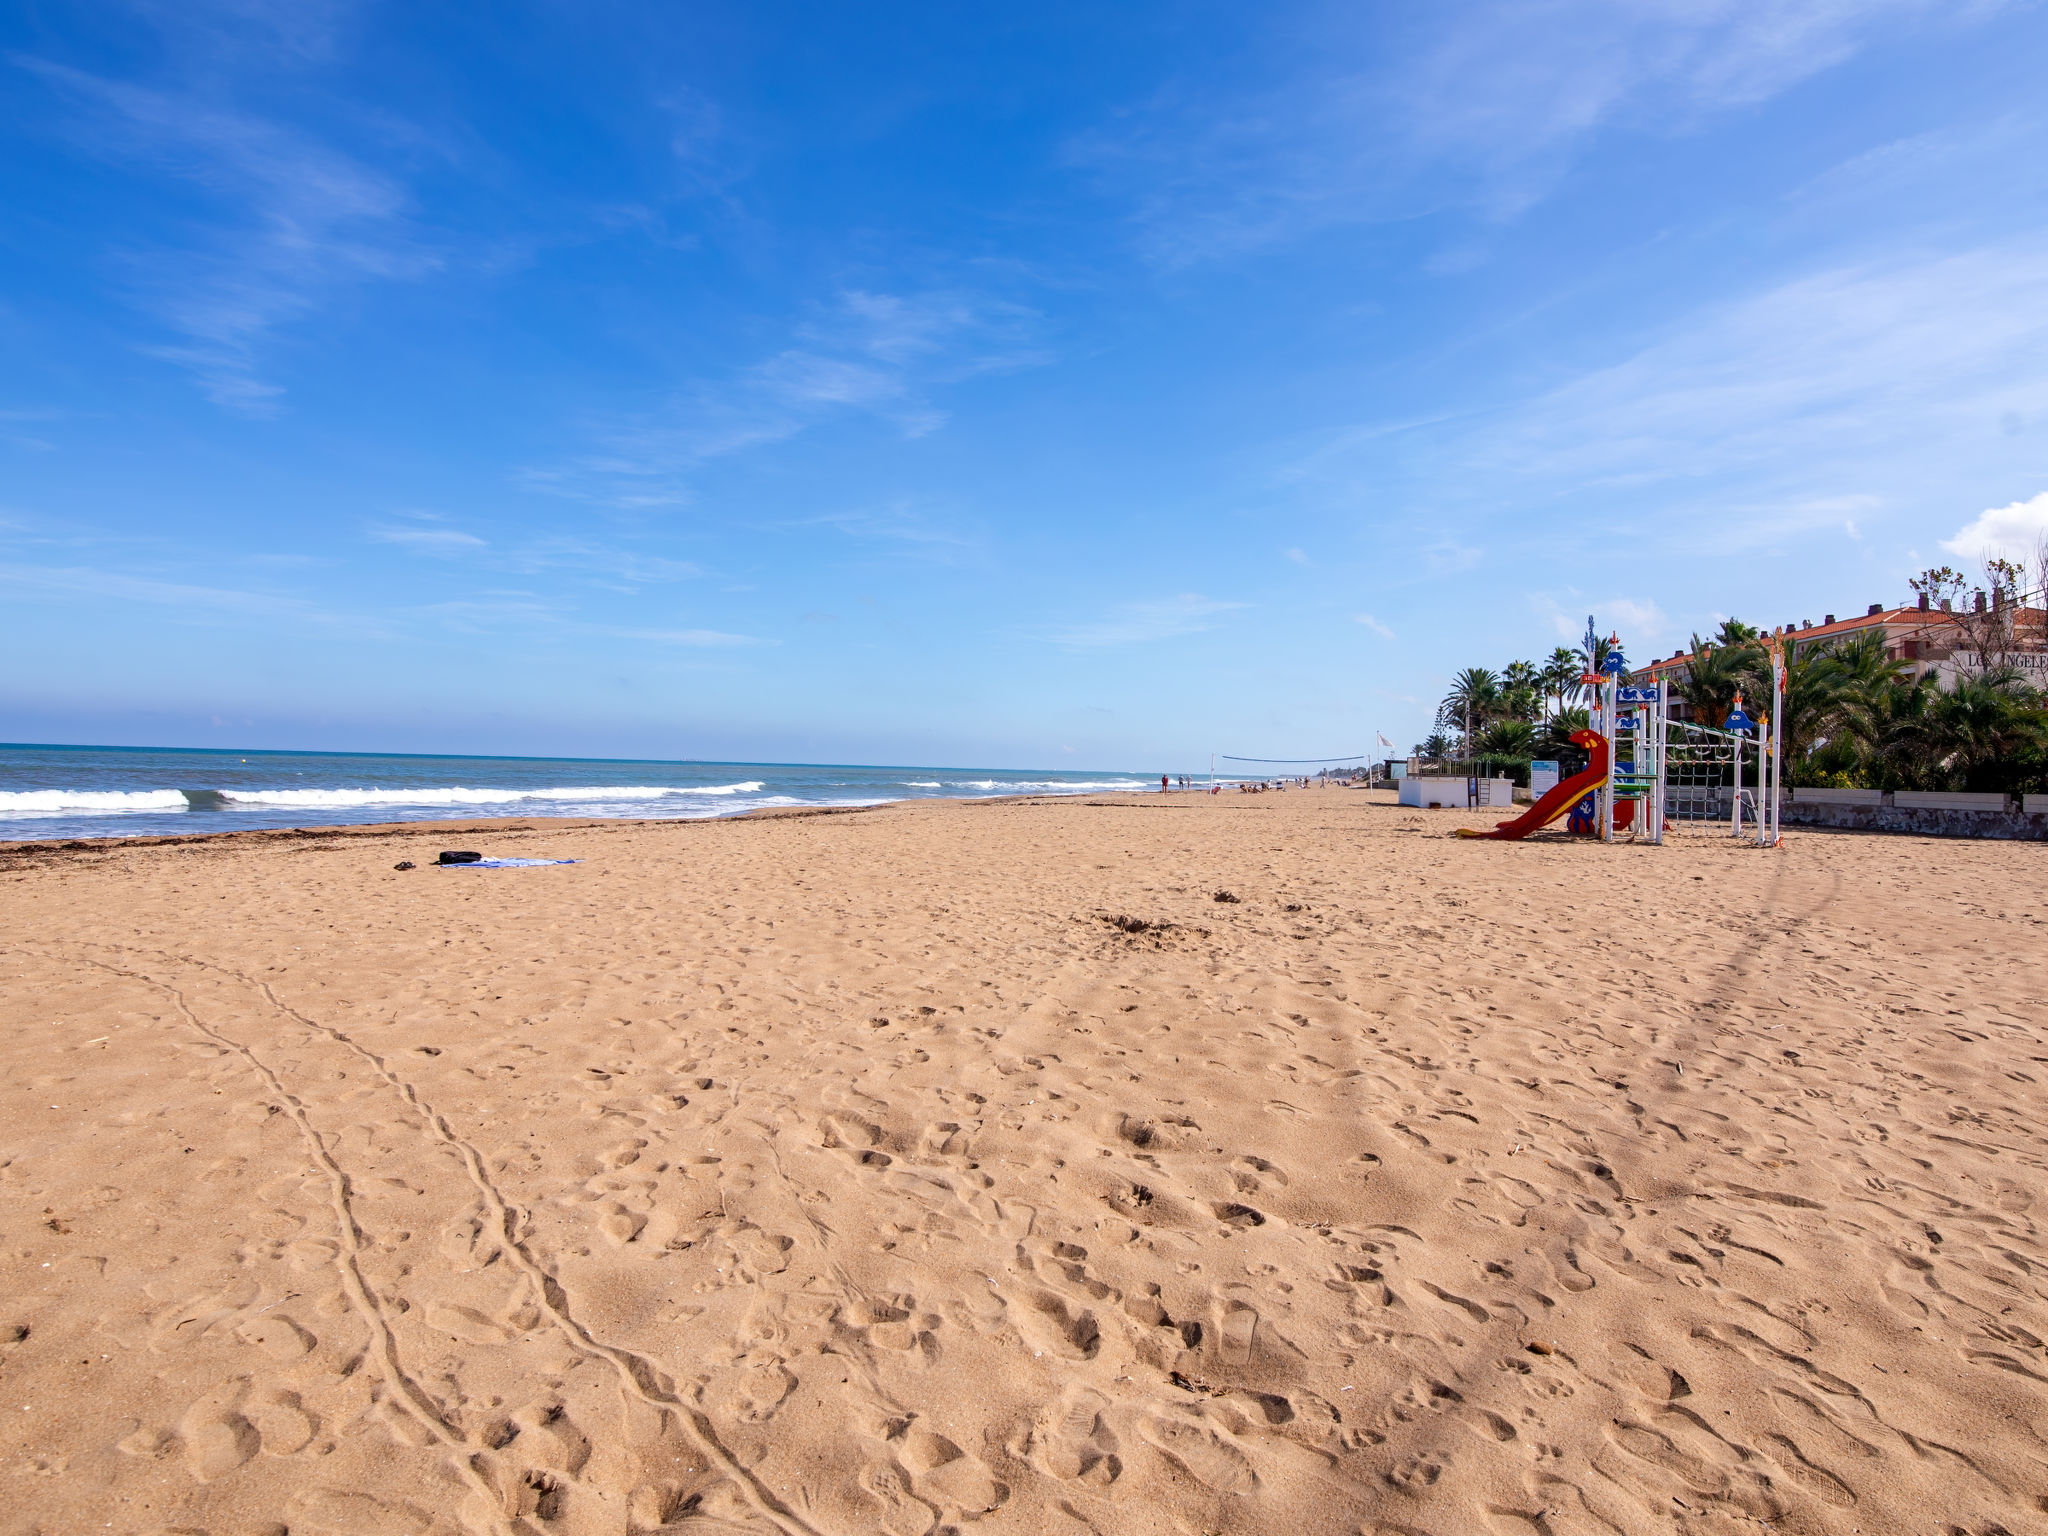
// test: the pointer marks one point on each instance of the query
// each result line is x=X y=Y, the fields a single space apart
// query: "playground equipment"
x=1566 y=796
x=1645 y=769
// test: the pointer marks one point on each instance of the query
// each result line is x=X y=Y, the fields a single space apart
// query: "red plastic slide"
x=1558 y=801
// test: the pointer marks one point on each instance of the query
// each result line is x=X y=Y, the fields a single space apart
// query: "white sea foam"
x=25 y=804
x=920 y=783
x=312 y=799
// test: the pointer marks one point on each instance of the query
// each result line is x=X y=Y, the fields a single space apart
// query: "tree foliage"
x=1851 y=714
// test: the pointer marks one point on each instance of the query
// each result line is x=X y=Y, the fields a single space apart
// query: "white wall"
x=1455 y=793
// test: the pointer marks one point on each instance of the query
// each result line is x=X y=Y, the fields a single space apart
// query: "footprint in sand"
x=217 y=1437
x=548 y=1438
x=903 y=1512
x=758 y=1390
x=958 y=1482
x=621 y=1224
x=1735 y=1485
x=278 y=1336
x=1071 y=1441
x=1816 y=1480
x=1049 y=1328
x=329 y=1512
x=1209 y=1456
x=1237 y=1332
x=464 y=1323
x=282 y=1421
x=1252 y=1174
x=942 y=1140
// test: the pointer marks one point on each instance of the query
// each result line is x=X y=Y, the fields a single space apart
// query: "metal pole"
x=1613 y=735
x=1735 y=807
x=1657 y=745
x=1777 y=743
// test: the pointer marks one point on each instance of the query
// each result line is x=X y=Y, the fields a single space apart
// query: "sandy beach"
x=1147 y=1164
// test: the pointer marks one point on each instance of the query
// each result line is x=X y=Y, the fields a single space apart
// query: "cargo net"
x=1699 y=773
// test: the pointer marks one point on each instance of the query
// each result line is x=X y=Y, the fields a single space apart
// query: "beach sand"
x=880 y=1172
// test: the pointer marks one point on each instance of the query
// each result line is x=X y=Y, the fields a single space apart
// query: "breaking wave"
x=29 y=803
x=310 y=799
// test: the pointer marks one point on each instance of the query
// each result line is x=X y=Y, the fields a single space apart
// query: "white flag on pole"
x=1383 y=740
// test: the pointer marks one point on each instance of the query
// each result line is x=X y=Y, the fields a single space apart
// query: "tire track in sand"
x=638 y=1376
x=418 y=1403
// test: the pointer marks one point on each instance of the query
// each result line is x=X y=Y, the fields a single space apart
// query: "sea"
x=56 y=792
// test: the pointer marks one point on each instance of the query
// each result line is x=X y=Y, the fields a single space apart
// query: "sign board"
x=1642 y=693
x=1542 y=779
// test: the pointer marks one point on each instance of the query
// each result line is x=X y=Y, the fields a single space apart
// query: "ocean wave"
x=312 y=799
x=261 y=804
x=29 y=803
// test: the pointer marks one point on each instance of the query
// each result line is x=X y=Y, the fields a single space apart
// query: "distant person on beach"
x=1162 y=783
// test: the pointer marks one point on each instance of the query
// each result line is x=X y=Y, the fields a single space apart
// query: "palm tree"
x=1899 y=737
x=1982 y=722
x=1554 y=737
x=1733 y=632
x=1474 y=696
x=1813 y=698
x=1714 y=674
x=1508 y=738
x=1597 y=662
x=1561 y=674
x=1866 y=684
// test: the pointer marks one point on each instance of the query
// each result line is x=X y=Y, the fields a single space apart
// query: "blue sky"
x=1037 y=386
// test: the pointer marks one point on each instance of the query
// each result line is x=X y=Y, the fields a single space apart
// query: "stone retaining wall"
x=1921 y=820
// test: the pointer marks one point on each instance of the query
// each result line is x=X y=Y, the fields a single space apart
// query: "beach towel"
x=508 y=863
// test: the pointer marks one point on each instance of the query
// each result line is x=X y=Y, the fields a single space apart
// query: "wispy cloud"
x=879 y=355
x=622 y=570
x=1373 y=624
x=431 y=541
x=1141 y=622
x=702 y=638
x=625 y=569
x=1389 y=113
x=196 y=602
x=1813 y=385
x=1637 y=621
x=283 y=222
x=1838 y=395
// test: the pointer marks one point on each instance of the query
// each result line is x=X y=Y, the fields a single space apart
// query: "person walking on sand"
x=1162 y=783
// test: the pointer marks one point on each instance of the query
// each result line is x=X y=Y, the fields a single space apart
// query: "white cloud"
x=2016 y=532
x=694 y=637
x=431 y=541
x=1373 y=624
x=1840 y=395
x=1447 y=557
x=1636 y=622
x=199 y=603
x=1380 y=113
x=1136 y=623
x=1296 y=556
x=283 y=221
x=876 y=354
x=1821 y=368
